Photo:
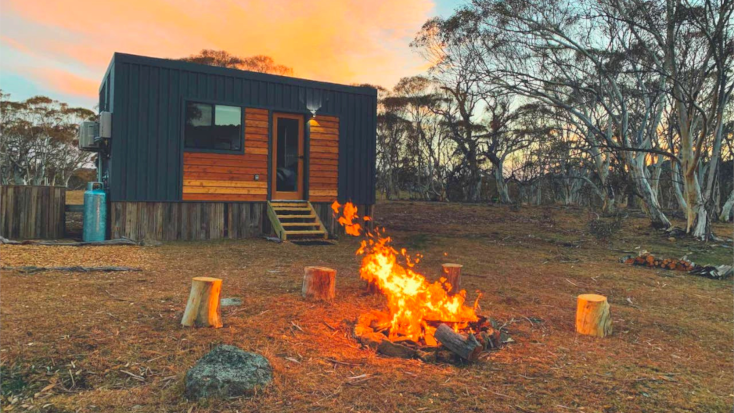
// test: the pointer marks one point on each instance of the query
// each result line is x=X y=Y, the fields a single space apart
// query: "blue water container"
x=95 y=212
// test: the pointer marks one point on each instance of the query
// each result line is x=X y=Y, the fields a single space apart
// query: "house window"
x=213 y=127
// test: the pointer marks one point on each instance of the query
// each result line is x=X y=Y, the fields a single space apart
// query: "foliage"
x=589 y=103
x=38 y=141
x=221 y=58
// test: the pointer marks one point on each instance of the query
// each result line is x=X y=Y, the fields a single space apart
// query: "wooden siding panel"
x=229 y=177
x=186 y=221
x=323 y=174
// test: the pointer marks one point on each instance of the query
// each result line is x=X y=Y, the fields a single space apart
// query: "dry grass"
x=70 y=342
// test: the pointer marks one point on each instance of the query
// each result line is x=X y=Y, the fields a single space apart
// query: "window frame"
x=213 y=104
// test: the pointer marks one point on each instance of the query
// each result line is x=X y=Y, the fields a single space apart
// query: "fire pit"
x=423 y=320
x=444 y=345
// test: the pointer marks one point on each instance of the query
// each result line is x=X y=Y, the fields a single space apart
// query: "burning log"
x=466 y=348
x=319 y=283
x=372 y=287
x=203 y=307
x=452 y=273
x=592 y=315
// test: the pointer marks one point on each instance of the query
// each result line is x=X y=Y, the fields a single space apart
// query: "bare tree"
x=563 y=56
x=455 y=72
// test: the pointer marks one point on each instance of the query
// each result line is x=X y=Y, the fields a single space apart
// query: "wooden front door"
x=287 y=153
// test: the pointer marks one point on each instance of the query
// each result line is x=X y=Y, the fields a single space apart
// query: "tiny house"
x=202 y=152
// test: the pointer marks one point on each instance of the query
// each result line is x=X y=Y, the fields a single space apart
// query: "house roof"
x=244 y=74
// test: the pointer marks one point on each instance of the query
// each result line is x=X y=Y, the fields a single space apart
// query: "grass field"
x=98 y=342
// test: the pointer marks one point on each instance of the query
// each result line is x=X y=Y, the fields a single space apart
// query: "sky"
x=61 y=49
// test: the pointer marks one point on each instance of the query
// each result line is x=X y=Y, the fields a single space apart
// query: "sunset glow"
x=63 y=48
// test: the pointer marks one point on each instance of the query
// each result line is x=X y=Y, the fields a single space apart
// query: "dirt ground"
x=111 y=342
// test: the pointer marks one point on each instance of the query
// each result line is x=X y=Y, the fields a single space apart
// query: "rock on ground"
x=227 y=371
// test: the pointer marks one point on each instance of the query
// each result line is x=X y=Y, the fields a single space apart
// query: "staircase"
x=295 y=220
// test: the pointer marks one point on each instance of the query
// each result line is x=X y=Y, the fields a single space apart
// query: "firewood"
x=372 y=287
x=203 y=308
x=391 y=349
x=319 y=283
x=452 y=273
x=466 y=348
x=592 y=315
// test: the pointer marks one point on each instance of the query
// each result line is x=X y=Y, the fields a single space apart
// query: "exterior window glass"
x=213 y=127
x=287 y=162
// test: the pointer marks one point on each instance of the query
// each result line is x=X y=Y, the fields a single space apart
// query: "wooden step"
x=285 y=203
x=314 y=232
x=284 y=216
x=299 y=224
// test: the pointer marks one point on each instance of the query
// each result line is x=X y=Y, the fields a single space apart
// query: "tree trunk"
x=319 y=283
x=499 y=178
x=642 y=184
x=592 y=315
x=608 y=200
x=203 y=308
x=539 y=193
x=452 y=273
x=698 y=221
x=726 y=209
x=677 y=178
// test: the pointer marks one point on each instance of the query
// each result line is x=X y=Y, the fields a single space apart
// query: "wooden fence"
x=32 y=212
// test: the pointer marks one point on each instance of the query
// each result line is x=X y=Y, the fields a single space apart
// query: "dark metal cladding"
x=146 y=96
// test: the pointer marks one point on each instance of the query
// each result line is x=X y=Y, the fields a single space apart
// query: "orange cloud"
x=346 y=41
x=15 y=44
x=67 y=83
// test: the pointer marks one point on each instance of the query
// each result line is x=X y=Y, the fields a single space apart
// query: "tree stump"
x=203 y=308
x=452 y=273
x=319 y=283
x=592 y=315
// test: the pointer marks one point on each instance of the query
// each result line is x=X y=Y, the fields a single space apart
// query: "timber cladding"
x=197 y=221
x=32 y=212
x=323 y=170
x=191 y=221
x=231 y=177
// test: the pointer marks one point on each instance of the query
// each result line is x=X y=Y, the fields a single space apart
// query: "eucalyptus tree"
x=564 y=54
x=38 y=141
x=222 y=58
x=427 y=147
x=453 y=68
x=391 y=131
x=689 y=43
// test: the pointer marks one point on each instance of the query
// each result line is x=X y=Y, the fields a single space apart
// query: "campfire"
x=422 y=319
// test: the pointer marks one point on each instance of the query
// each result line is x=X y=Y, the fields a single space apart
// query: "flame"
x=412 y=301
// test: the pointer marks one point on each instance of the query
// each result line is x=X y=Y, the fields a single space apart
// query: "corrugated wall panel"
x=148 y=94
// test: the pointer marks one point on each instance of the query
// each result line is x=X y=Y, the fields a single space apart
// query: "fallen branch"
x=33 y=269
x=118 y=241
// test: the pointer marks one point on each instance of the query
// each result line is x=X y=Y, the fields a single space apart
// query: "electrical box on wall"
x=87 y=132
x=105 y=125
